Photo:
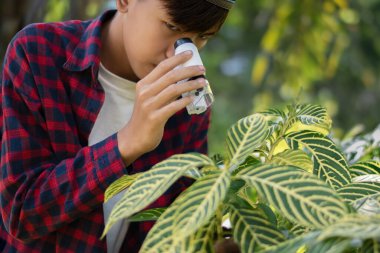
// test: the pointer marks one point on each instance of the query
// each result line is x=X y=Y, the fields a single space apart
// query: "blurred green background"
x=269 y=53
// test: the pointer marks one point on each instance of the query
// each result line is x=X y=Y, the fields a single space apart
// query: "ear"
x=122 y=5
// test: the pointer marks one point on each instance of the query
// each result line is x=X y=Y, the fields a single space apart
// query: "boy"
x=84 y=103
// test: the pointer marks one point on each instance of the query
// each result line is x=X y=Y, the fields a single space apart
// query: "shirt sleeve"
x=38 y=192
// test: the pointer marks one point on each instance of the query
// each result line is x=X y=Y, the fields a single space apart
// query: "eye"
x=205 y=36
x=172 y=27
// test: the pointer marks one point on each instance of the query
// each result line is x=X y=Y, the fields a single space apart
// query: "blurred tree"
x=322 y=52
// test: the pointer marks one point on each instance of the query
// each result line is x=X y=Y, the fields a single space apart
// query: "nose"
x=170 y=50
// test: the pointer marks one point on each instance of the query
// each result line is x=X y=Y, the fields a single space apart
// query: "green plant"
x=285 y=186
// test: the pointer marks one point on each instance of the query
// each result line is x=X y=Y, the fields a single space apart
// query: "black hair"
x=195 y=15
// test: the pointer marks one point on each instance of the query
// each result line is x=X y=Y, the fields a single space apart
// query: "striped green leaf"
x=248 y=194
x=119 y=185
x=245 y=136
x=316 y=115
x=294 y=244
x=333 y=245
x=363 y=196
x=329 y=163
x=296 y=158
x=202 y=240
x=249 y=161
x=371 y=206
x=199 y=202
x=374 y=178
x=275 y=119
x=354 y=226
x=163 y=237
x=251 y=229
x=300 y=196
x=147 y=215
x=371 y=246
x=272 y=112
x=160 y=237
x=153 y=183
x=364 y=168
x=193 y=173
x=299 y=230
x=357 y=193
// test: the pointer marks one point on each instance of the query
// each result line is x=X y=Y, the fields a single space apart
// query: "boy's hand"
x=156 y=101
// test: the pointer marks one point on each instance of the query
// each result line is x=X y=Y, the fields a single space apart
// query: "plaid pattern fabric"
x=52 y=183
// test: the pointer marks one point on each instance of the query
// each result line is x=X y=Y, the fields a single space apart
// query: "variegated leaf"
x=316 y=115
x=354 y=226
x=370 y=206
x=119 y=185
x=193 y=173
x=274 y=113
x=245 y=136
x=202 y=240
x=364 y=168
x=374 y=178
x=153 y=183
x=299 y=230
x=296 y=158
x=248 y=194
x=199 y=202
x=333 y=245
x=160 y=237
x=293 y=245
x=249 y=161
x=163 y=237
x=359 y=192
x=329 y=163
x=147 y=215
x=371 y=246
x=251 y=229
x=300 y=196
x=363 y=196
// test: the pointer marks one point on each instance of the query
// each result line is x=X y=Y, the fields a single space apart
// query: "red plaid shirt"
x=52 y=183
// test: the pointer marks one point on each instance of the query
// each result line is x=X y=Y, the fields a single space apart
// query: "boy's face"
x=149 y=35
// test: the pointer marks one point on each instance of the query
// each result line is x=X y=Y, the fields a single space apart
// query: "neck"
x=113 y=55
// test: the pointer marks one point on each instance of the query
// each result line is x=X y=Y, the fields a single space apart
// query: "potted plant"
x=284 y=185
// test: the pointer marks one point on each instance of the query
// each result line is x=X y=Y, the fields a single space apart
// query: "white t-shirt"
x=115 y=113
x=117 y=108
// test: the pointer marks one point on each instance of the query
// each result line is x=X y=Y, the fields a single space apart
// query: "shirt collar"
x=87 y=52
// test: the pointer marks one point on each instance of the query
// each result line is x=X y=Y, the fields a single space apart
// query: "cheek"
x=200 y=43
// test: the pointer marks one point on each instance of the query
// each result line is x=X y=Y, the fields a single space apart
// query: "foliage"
x=326 y=50
x=284 y=185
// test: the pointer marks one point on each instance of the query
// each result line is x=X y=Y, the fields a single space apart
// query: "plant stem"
x=219 y=218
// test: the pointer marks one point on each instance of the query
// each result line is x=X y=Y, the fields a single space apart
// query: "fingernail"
x=202 y=68
x=188 y=52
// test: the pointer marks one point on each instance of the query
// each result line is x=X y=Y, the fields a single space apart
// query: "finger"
x=169 y=110
x=175 y=76
x=173 y=91
x=167 y=65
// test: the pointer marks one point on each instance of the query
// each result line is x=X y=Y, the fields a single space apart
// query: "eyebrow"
x=208 y=34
